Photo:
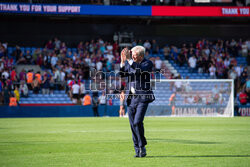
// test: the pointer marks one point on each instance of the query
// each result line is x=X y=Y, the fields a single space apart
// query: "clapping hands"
x=125 y=55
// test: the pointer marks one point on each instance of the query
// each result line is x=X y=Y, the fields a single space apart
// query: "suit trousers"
x=136 y=113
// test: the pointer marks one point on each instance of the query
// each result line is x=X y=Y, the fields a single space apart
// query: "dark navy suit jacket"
x=138 y=77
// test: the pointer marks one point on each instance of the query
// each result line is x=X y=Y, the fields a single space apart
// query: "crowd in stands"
x=63 y=67
x=136 y=2
x=218 y=59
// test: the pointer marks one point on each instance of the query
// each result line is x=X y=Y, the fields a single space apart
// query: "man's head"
x=138 y=53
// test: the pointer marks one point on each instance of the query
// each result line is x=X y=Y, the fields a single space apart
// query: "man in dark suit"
x=139 y=94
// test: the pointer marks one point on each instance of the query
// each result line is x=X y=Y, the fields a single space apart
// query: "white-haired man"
x=137 y=70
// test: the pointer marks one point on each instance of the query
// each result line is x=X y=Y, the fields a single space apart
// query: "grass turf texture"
x=107 y=142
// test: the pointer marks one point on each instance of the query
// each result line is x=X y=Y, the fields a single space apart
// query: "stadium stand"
x=67 y=65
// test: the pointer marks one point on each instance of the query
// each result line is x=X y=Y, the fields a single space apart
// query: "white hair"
x=139 y=50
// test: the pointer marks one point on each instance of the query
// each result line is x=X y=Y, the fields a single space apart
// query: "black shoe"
x=136 y=155
x=142 y=152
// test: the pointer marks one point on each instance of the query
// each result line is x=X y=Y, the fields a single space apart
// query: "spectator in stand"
x=86 y=46
x=61 y=55
x=47 y=60
x=155 y=47
x=181 y=59
x=28 y=57
x=29 y=77
x=5 y=74
x=116 y=47
x=69 y=55
x=82 y=90
x=17 y=53
x=63 y=48
x=232 y=74
x=178 y=86
x=243 y=76
x=50 y=45
x=75 y=57
x=134 y=43
x=56 y=76
x=9 y=84
x=45 y=85
x=22 y=75
x=102 y=99
x=17 y=94
x=206 y=50
x=39 y=60
x=110 y=56
x=110 y=48
x=184 y=51
x=39 y=77
x=13 y=75
x=2 y=50
x=92 y=46
x=99 y=66
x=52 y=85
x=200 y=64
x=57 y=44
x=21 y=59
x=220 y=68
x=1 y=64
x=24 y=89
x=87 y=99
x=166 y=52
x=95 y=103
x=62 y=77
x=101 y=45
x=140 y=42
x=243 y=97
x=215 y=91
x=6 y=95
x=12 y=101
x=190 y=99
x=212 y=71
x=247 y=87
x=75 y=91
x=36 y=54
x=88 y=60
x=192 y=63
x=36 y=86
x=239 y=69
x=173 y=53
x=54 y=60
x=244 y=49
x=227 y=62
x=147 y=45
x=80 y=47
x=158 y=64
x=109 y=65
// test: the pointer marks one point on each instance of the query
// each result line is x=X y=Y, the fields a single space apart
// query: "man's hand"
x=125 y=55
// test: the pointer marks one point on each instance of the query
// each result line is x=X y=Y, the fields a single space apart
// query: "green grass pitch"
x=106 y=142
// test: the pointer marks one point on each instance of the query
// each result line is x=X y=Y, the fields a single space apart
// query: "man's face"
x=136 y=57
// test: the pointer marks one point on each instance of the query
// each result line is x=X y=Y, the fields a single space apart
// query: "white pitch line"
x=128 y=131
x=151 y=130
